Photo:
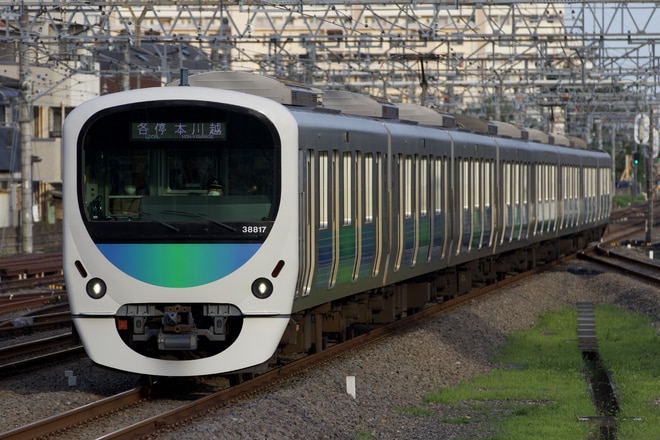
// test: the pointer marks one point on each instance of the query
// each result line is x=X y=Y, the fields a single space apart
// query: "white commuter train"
x=206 y=227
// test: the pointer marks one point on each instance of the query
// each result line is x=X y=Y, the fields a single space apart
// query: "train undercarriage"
x=334 y=322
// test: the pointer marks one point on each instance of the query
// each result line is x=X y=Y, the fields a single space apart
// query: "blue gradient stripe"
x=178 y=264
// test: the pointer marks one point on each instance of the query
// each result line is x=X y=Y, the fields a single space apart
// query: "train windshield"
x=179 y=171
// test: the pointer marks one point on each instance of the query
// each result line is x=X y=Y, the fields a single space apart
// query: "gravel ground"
x=391 y=376
x=397 y=373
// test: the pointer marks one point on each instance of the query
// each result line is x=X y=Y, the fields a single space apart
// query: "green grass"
x=623 y=200
x=540 y=380
x=630 y=348
x=539 y=391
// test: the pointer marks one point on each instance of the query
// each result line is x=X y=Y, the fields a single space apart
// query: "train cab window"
x=149 y=177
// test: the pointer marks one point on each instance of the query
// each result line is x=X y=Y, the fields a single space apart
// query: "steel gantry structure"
x=508 y=59
x=571 y=68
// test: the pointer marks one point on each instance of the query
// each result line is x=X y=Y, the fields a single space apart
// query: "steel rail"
x=194 y=409
x=75 y=416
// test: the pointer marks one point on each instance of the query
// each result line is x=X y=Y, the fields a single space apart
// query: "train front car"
x=180 y=236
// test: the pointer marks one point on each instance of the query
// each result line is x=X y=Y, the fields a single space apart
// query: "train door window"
x=570 y=187
x=547 y=220
x=438 y=185
x=524 y=194
x=564 y=196
x=416 y=210
x=359 y=189
x=539 y=199
x=584 y=199
x=489 y=187
x=552 y=188
x=551 y=197
x=542 y=184
x=423 y=190
x=425 y=234
x=464 y=198
x=475 y=216
x=592 y=193
x=520 y=168
x=348 y=189
x=307 y=221
x=506 y=190
x=587 y=193
x=401 y=208
x=464 y=179
x=596 y=193
x=516 y=202
x=335 y=216
x=597 y=208
x=605 y=192
x=594 y=185
x=573 y=189
x=541 y=189
x=566 y=192
x=575 y=177
x=323 y=190
x=438 y=196
x=368 y=188
x=377 y=204
x=408 y=187
x=576 y=195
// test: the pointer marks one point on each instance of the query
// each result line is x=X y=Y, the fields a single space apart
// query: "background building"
x=584 y=69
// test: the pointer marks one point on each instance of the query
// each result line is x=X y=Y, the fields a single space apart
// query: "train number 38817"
x=254 y=229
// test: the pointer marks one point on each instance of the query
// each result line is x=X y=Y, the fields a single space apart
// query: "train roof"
x=360 y=105
x=294 y=94
x=286 y=93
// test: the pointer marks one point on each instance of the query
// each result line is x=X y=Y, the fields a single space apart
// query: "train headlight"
x=262 y=288
x=96 y=288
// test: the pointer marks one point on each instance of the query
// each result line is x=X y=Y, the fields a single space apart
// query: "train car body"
x=317 y=205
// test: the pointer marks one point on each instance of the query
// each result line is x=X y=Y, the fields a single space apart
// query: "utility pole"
x=650 y=188
x=25 y=124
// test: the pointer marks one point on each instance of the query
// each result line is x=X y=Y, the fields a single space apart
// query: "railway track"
x=24 y=357
x=36 y=322
x=189 y=411
x=617 y=259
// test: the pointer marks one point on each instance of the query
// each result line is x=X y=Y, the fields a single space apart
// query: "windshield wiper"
x=162 y=223
x=200 y=216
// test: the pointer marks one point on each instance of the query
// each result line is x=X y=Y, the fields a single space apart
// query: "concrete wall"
x=46 y=238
